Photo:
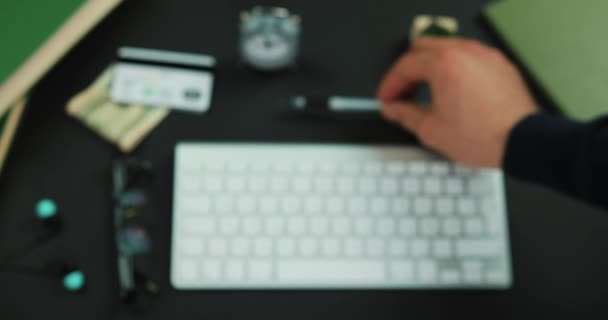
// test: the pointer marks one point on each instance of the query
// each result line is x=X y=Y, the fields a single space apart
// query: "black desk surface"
x=558 y=245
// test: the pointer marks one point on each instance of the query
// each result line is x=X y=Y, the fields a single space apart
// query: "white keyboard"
x=273 y=216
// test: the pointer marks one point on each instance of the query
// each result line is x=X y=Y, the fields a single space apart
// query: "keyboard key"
x=373 y=168
x=246 y=204
x=305 y=168
x=269 y=205
x=330 y=247
x=328 y=168
x=358 y=205
x=336 y=205
x=286 y=247
x=229 y=226
x=213 y=166
x=320 y=272
x=188 y=270
x=235 y=184
x=211 y=270
x=407 y=227
x=224 y=204
x=213 y=184
x=410 y=185
x=451 y=227
x=400 y=206
x=351 y=168
x=422 y=206
x=195 y=205
x=454 y=186
x=260 y=270
x=262 y=247
x=402 y=271
x=363 y=226
x=319 y=226
x=200 y=226
x=192 y=246
x=191 y=184
x=474 y=227
x=345 y=186
x=313 y=205
x=251 y=226
x=217 y=247
x=479 y=247
x=432 y=185
x=439 y=168
x=466 y=206
x=445 y=206
x=240 y=247
x=379 y=205
x=397 y=247
x=302 y=185
x=375 y=247
x=257 y=184
x=323 y=185
x=296 y=226
x=282 y=168
x=418 y=168
x=353 y=247
x=237 y=167
x=385 y=227
x=420 y=248
x=442 y=248
x=367 y=186
x=279 y=184
x=429 y=227
x=426 y=271
x=341 y=226
x=290 y=205
x=274 y=225
x=389 y=186
x=450 y=277
x=395 y=168
x=308 y=246
x=235 y=271
x=497 y=277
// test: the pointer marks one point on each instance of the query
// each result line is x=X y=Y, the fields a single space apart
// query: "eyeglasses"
x=129 y=176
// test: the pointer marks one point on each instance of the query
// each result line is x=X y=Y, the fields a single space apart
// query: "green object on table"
x=46 y=209
x=25 y=25
x=563 y=45
x=74 y=281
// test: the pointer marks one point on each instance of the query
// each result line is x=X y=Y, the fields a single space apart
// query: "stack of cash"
x=122 y=125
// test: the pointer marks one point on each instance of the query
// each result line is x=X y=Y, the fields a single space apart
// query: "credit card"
x=180 y=81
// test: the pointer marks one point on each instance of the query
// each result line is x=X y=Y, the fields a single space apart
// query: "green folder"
x=25 y=25
x=564 y=45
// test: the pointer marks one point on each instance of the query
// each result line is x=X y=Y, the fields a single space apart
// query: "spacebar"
x=347 y=271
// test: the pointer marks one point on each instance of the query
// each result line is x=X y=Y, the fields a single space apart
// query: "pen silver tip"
x=298 y=102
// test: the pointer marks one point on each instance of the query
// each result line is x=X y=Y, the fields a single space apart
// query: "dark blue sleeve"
x=565 y=155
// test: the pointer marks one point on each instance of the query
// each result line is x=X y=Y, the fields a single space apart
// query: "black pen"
x=335 y=104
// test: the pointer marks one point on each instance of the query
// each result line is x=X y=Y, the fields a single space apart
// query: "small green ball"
x=74 y=281
x=46 y=209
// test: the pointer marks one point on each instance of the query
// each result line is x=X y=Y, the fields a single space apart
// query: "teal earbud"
x=46 y=209
x=74 y=281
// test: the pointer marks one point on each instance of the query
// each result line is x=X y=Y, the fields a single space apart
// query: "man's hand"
x=478 y=96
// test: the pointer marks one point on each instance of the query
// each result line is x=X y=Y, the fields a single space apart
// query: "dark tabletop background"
x=558 y=244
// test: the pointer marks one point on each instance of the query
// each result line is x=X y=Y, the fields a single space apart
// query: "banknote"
x=125 y=126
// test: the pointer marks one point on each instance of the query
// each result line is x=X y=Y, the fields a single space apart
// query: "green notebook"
x=36 y=34
x=564 y=45
x=25 y=25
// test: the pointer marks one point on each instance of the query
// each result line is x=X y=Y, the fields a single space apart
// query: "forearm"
x=565 y=155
